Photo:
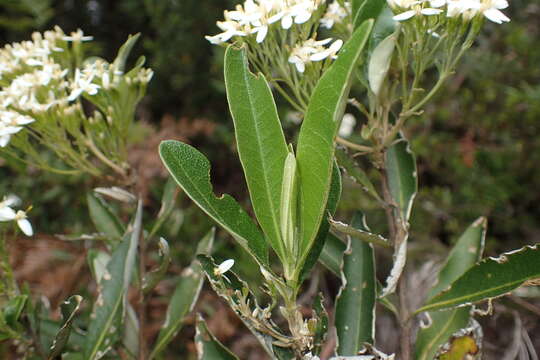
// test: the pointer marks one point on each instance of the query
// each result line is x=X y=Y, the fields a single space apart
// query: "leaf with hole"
x=191 y=170
x=489 y=279
x=443 y=324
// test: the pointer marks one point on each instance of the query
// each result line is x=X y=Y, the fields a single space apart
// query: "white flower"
x=335 y=13
x=347 y=125
x=313 y=50
x=416 y=11
x=77 y=36
x=224 y=267
x=491 y=10
x=23 y=223
x=83 y=83
x=8 y=214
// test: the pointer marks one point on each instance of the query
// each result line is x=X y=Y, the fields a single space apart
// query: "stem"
x=363 y=148
x=104 y=159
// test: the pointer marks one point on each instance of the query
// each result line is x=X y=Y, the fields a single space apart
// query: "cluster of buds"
x=467 y=9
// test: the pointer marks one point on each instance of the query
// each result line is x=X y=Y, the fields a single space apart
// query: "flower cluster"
x=313 y=50
x=38 y=79
x=467 y=9
x=255 y=16
x=335 y=13
x=8 y=214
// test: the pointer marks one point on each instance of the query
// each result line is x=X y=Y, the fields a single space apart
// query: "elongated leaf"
x=379 y=63
x=331 y=207
x=111 y=302
x=360 y=234
x=260 y=140
x=168 y=200
x=356 y=173
x=332 y=253
x=104 y=219
x=355 y=303
x=119 y=63
x=368 y=9
x=315 y=149
x=69 y=309
x=490 y=278
x=466 y=252
x=191 y=170
x=184 y=297
x=402 y=178
x=208 y=347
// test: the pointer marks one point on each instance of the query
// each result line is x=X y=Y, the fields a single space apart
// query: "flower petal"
x=25 y=227
x=404 y=16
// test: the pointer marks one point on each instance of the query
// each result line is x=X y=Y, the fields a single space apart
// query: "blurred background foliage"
x=477 y=144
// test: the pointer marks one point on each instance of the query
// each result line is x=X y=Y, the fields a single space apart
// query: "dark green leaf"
x=111 y=302
x=69 y=309
x=368 y=9
x=184 y=297
x=322 y=235
x=355 y=304
x=104 y=219
x=402 y=179
x=490 y=278
x=191 y=170
x=466 y=252
x=332 y=253
x=315 y=149
x=260 y=140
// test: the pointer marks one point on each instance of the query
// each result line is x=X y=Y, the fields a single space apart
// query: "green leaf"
x=261 y=143
x=360 y=234
x=379 y=62
x=112 y=300
x=355 y=303
x=184 y=297
x=402 y=178
x=119 y=63
x=331 y=207
x=152 y=278
x=104 y=219
x=368 y=9
x=130 y=335
x=69 y=309
x=315 y=149
x=191 y=170
x=332 y=253
x=490 y=278
x=356 y=173
x=208 y=347
x=466 y=252
x=12 y=311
